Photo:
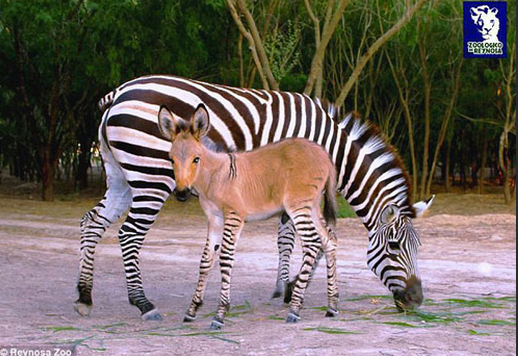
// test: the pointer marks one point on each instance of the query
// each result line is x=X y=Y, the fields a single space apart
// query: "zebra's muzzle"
x=182 y=195
x=411 y=297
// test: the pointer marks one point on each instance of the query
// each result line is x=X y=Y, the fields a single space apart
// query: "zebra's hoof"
x=152 y=315
x=292 y=318
x=216 y=324
x=188 y=319
x=331 y=313
x=82 y=309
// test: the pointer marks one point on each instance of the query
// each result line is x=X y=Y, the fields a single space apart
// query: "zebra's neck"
x=373 y=174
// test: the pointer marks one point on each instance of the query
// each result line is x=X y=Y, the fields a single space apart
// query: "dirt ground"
x=467 y=263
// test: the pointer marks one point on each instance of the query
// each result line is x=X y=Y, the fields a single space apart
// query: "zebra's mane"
x=377 y=140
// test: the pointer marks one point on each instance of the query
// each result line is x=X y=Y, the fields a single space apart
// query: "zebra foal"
x=290 y=176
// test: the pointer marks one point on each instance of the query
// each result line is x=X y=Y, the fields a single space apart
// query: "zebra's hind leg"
x=143 y=212
x=285 y=243
x=311 y=244
x=329 y=246
x=93 y=225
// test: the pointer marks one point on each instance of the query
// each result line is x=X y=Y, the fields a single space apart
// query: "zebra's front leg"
x=131 y=237
x=212 y=248
x=285 y=243
x=311 y=244
x=231 y=232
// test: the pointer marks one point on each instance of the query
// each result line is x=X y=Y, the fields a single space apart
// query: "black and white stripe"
x=140 y=176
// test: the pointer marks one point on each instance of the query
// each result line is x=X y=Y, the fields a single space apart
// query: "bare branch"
x=318 y=58
x=375 y=46
x=258 y=44
x=250 y=40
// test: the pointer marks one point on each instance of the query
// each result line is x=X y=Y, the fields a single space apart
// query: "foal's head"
x=186 y=149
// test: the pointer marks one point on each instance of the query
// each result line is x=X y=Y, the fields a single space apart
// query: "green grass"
x=474 y=303
x=327 y=330
x=474 y=332
x=344 y=209
x=429 y=317
x=62 y=328
x=367 y=296
x=497 y=322
x=273 y=317
x=403 y=324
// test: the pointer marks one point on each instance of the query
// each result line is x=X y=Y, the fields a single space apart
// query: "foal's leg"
x=212 y=247
x=231 y=232
x=311 y=244
x=285 y=243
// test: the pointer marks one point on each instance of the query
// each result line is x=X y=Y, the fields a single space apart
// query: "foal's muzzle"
x=411 y=296
x=182 y=195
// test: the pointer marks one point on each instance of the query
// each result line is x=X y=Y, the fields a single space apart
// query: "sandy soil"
x=467 y=263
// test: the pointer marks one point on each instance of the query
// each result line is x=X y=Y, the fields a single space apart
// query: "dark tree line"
x=397 y=62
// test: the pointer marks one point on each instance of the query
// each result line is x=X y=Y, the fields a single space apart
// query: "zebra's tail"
x=106 y=101
x=330 y=198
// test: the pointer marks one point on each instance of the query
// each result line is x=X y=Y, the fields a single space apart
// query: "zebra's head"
x=392 y=253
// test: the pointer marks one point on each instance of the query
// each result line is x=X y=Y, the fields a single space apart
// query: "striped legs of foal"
x=211 y=250
x=231 y=232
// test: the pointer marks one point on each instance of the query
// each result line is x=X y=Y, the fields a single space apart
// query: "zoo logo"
x=485 y=29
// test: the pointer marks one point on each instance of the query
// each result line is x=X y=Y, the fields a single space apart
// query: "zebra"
x=140 y=177
x=238 y=187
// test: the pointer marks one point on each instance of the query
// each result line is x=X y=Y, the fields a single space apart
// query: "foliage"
x=61 y=57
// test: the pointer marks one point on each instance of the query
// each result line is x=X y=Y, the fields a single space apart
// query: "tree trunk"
x=483 y=163
x=504 y=165
x=448 y=168
x=403 y=97
x=445 y=121
x=426 y=143
x=47 y=178
x=83 y=165
x=327 y=33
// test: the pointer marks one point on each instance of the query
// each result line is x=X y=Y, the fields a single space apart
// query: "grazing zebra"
x=140 y=175
x=288 y=176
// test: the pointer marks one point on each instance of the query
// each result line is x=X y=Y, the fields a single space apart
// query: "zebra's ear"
x=389 y=214
x=200 y=122
x=423 y=206
x=167 y=123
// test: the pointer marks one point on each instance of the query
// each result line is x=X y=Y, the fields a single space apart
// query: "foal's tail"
x=330 y=197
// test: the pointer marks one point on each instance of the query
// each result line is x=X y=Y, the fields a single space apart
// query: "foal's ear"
x=167 y=123
x=200 y=122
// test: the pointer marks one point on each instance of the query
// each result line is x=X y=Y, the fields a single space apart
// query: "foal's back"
x=289 y=170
